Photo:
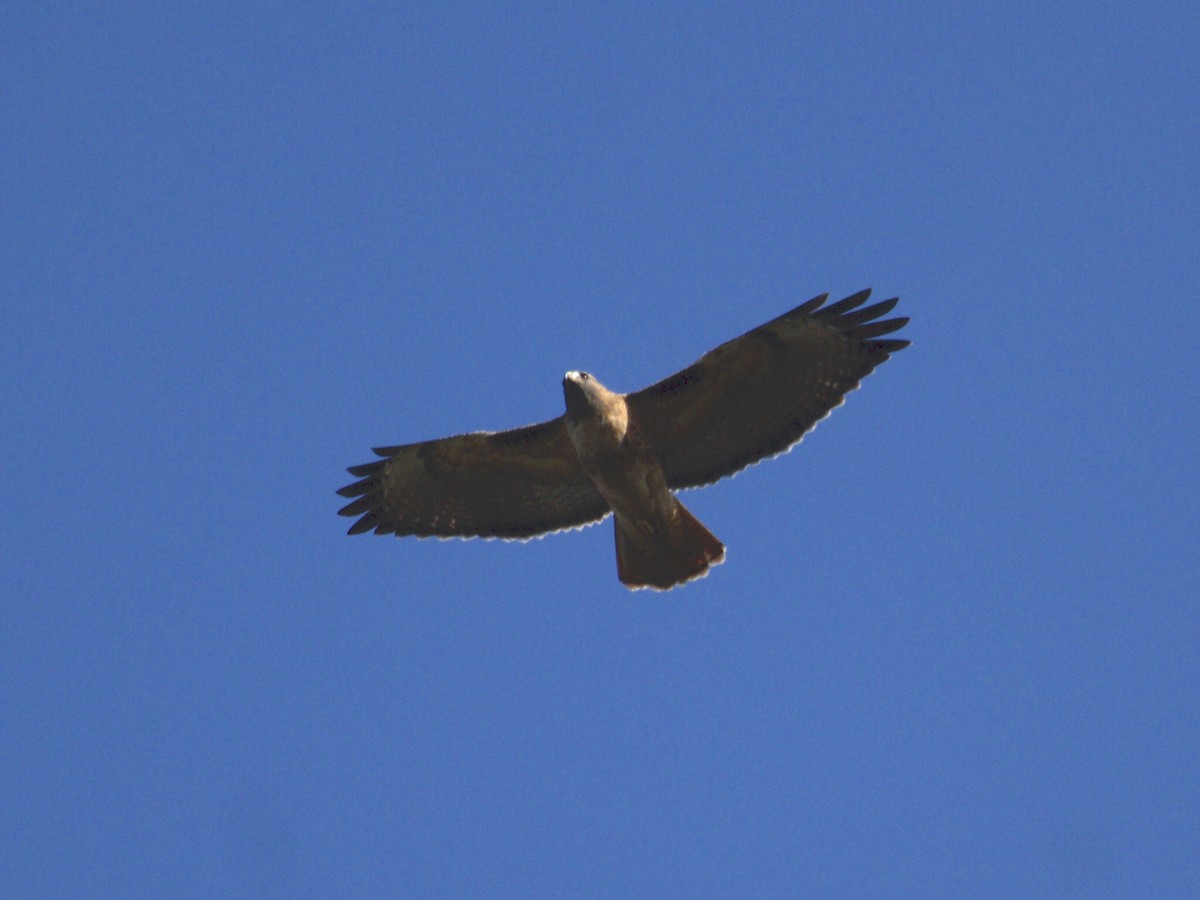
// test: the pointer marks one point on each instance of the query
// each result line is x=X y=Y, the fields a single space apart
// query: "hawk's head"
x=593 y=408
x=587 y=396
x=579 y=391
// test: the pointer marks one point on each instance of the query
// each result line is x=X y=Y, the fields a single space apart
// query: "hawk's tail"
x=662 y=557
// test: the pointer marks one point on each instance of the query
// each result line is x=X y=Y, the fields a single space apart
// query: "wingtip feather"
x=356 y=489
x=867 y=313
x=366 y=523
x=810 y=305
x=357 y=508
x=875 y=329
x=365 y=469
x=842 y=306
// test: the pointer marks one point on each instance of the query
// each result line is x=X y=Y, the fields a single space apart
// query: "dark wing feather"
x=507 y=484
x=757 y=395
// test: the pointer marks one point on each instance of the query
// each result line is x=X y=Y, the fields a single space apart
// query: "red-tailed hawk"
x=748 y=399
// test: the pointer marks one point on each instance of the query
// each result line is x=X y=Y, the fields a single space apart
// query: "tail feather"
x=679 y=551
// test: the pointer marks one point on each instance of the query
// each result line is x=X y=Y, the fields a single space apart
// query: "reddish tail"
x=666 y=554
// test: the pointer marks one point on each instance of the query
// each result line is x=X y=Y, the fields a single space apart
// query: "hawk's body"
x=659 y=543
x=751 y=398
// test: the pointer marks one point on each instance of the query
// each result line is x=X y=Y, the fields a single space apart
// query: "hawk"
x=750 y=398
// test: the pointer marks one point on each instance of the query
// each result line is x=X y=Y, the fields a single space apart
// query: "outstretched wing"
x=507 y=484
x=757 y=395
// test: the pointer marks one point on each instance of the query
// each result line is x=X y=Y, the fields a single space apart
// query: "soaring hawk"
x=748 y=399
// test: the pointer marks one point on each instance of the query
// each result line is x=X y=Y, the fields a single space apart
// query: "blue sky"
x=953 y=650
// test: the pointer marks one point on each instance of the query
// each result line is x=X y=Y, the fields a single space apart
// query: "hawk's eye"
x=584 y=376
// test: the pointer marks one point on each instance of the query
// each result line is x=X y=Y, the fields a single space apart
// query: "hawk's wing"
x=507 y=484
x=757 y=395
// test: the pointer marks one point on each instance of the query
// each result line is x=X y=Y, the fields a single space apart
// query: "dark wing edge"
x=516 y=484
x=756 y=396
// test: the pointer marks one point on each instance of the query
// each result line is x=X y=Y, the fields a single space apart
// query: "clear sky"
x=955 y=648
